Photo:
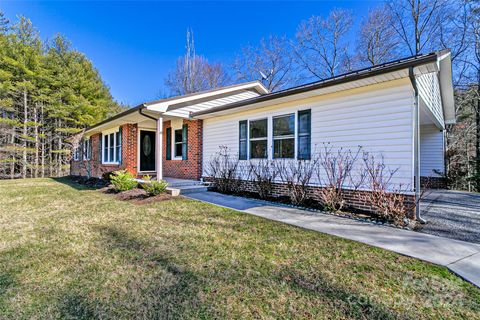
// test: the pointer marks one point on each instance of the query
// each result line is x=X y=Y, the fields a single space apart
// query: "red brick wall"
x=129 y=155
x=185 y=169
x=192 y=167
x=129 y=147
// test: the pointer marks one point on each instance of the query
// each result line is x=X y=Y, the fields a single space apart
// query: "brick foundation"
x=192 y=167
x=353 y=199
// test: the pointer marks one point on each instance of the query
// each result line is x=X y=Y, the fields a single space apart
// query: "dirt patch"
x=134 y=194
x=137 y=196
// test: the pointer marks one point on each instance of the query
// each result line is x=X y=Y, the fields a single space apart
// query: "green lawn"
x=70 y=252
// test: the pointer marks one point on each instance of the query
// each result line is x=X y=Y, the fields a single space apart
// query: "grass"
x=75 y=253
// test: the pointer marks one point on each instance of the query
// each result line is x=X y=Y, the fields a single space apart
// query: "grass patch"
x=67 y=251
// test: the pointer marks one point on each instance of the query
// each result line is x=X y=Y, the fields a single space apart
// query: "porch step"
x=193 y=189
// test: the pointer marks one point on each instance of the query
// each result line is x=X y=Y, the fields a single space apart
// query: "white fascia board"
x=163 y=106
x=446 y=88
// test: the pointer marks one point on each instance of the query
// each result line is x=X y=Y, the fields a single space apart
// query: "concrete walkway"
x=461 y=257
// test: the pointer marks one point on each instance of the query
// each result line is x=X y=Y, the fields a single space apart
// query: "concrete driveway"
x=452 y=214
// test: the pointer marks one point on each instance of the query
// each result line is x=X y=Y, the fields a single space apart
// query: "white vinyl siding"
x=429 y=91
x=431 y=151
x=377 y=117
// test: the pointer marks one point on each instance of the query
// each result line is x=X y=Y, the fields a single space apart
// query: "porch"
x=161 y=134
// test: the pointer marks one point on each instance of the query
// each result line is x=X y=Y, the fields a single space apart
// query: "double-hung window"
x=178 y=142
x=304 y=134
x=258 y=138
x=284 y=136
x=87 y=149
x=112 y=147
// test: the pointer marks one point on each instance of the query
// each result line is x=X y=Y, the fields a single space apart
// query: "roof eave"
x=358 y=75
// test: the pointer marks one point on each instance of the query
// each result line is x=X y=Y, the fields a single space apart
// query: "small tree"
x=263 y=174
x=297 y=176
x=223 y=168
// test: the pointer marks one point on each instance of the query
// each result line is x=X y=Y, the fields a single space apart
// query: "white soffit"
x=255 y=88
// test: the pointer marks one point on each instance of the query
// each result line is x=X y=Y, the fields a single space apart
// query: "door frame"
x=139 y=171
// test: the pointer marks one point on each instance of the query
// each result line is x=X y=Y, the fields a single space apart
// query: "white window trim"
x=294 y=136
x=107 y=133
x=269 y=125
x=174 y=156
x=270 y=137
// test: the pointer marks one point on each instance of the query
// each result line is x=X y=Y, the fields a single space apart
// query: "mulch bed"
x=137 y=195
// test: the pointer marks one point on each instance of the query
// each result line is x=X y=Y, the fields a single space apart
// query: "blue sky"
x=135 y=44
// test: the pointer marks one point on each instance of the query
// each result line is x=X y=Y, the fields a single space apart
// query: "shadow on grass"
x=74 y=182
x=77 y=306
x=350 y=304
x=168 y=290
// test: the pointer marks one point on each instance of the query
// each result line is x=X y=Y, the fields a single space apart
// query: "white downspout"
x=416 y=145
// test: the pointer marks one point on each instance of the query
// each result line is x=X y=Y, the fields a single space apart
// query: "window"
x=284 y=136
x=118 y=146
x=242 y=147
x=304 y=134
x=87 y=149
x=112 y=147
x=76 y=154
x=178 y=143
x=258 y=138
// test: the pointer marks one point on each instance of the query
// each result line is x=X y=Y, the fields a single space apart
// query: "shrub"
x=123 y=180
x=263 y=174
x=154 y=188
x=334 y=172
x=296 y=175
x=223 y=168
x=387 y=199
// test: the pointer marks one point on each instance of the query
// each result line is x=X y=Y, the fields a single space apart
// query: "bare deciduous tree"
x=417 y=22
x=321 y=48
x=193 y=73
x=272 y=57
x=377 y=40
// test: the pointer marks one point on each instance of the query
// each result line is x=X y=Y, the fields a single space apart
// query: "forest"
x=49 y=91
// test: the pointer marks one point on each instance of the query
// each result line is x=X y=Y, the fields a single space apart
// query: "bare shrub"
x=334 y=172
x=296 y=174
x=263 y=173
x=387 y=199
x=223 y=167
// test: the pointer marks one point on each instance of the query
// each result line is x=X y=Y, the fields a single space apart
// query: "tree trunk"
x=477 y=140
x=42 y=130
x=37 y=142
x=12 y=164
x=25 y=119
x=59 y=153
